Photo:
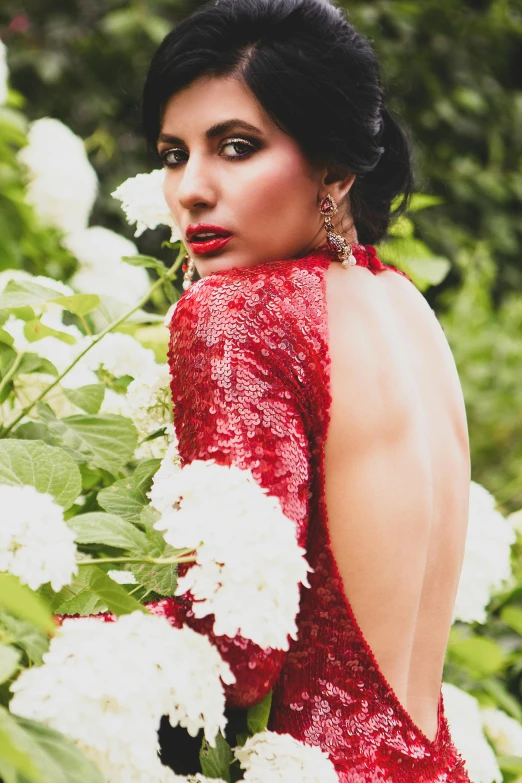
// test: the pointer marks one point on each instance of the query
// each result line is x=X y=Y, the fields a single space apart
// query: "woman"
x=301 y=356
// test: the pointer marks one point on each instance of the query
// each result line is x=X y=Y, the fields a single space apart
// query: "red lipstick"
x=199 y=243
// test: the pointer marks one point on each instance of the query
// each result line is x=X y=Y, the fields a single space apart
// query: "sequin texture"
x=250 y=370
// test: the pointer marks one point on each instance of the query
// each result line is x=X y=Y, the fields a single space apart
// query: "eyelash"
x=252 y=149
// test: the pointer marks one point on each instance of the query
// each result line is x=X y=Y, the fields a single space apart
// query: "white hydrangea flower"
x=504 y=732
x=150 y=408
x=194 y=671
x=465 y=724
x=62 y=185
x=250 y=585
x=122 y=577
x=120 y=354
x=269 y=757
x=149 y=401
x=115 y=403
x=160 y=493
x=487 y=557
x=35 y=543
x=106 y=685
x=143 y=202
x=4 y=73
x=99 y=252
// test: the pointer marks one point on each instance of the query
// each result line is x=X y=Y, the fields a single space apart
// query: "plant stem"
x=149 y=560
x=170 y=275
x=11 y=371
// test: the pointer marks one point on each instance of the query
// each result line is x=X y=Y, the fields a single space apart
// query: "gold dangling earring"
x=188 y=268
x=336 y=242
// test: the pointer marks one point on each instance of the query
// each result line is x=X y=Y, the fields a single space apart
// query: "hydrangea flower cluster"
x=150 y=408
x=120 y=354
x=107 y=685
x=144 y=203
x=487 y=558
x=35 y=543
x=62 y=184
x=269 y=757
x=258 y=599
x=504 y=732
x=99 y=252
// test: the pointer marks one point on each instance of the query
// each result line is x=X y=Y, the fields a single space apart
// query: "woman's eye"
x=166 y=161
x=239 y=143
x=248 y=149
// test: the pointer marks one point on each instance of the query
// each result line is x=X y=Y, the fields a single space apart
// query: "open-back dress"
x=250 y=369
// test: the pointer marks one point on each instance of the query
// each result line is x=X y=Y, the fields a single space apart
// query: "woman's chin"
x=217 y=263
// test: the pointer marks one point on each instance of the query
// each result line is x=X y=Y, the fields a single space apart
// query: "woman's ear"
x=337 y=183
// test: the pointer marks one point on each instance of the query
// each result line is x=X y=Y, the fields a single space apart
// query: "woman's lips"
x=209 y=245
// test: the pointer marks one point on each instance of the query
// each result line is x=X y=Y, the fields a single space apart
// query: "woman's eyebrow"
x=214 y=130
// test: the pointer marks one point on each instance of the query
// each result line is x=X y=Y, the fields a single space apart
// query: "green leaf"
x=35 y=330
x=512 y=616
x=416 y=259
x=510 y=764
x=33 y=430
x=479 y=655
x=88 y=398
x=9 y=660
x=112 y=308
x=53 y=757
x=31 y=362
x=502 y=697
x=127 y=497
x=422 y=200
x=402 y=227
x=20 y=293
x=258 y=714
x=79 y=304
x=103 y=441
x=114 y=595
x=215 y=762
x=77 y=598
x=45 y=467
x=5 y=337
x=433 y=270
x=122 y=499
x=147 y=261
x=83 y=603
x=33 y=641
x=14 y=763
x=22 y=602
x=142 y=476
x=99 y=528
x=161 y=579
x=149 y=515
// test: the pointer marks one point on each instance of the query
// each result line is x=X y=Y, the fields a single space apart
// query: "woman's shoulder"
x=272 y=295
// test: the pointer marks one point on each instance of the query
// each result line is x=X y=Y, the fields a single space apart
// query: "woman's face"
x=254 y=183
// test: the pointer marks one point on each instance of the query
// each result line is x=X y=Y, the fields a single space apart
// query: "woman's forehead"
x=210 y=101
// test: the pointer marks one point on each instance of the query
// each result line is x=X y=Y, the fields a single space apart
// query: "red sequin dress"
x=250 y=384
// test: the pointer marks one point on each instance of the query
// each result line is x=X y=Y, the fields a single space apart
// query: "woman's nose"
x=195 y=185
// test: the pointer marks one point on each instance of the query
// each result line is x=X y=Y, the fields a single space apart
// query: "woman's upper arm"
x=235 y=401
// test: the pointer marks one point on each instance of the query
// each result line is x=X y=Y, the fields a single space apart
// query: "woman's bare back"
x=397 y=472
